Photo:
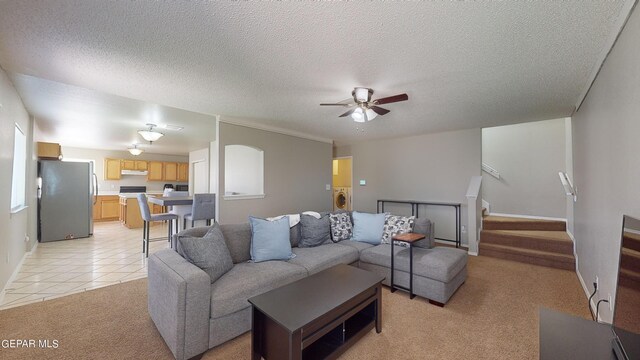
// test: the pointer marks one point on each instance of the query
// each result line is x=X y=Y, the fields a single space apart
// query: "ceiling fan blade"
x=379 y=110
x=348 y=112
x=391 y=99
x=335 y=104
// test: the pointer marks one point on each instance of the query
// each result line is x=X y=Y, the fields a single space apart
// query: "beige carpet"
x=494 y=315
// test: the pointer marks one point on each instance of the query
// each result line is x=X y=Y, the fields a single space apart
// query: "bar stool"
x=147 y=217
x=203 y=208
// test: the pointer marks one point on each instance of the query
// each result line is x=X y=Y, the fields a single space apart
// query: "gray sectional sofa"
x=193 y=315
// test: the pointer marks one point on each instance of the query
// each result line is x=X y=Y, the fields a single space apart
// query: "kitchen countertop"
x=133 y=195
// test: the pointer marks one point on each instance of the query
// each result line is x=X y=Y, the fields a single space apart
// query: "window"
x=19 y=170
x=243 y=172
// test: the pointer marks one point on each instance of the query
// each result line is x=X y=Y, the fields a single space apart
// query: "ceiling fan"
x=364 y=109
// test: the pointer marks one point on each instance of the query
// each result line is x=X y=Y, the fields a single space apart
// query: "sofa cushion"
x=341 y=226
x=322 y=257
x=424 y=226
x=356 y=245
x=314 y=231
x=209 y=252
x=270 y=239
x=230 y=293
x=238 y=239
x=396 y=224
x=295 y=234
x=439 y=263
x=367 y=227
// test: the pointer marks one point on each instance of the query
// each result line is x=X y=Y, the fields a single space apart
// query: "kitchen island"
x=130 y=210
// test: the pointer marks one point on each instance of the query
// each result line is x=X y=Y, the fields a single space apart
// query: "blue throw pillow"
x=368 y=227
x=270 y=239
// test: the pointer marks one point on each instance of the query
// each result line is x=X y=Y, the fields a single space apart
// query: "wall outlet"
x=26 y=238
x=597 y=284
x=363 y=182
x=463 y=229
x=7 y=258
x=328 y=187
x=610 y=304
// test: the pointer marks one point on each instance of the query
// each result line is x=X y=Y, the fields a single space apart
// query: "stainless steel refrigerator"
x=66 y=194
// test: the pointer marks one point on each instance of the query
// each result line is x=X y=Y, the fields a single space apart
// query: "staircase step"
x=630 y=260
x=630 y=279
x=536 y=257
x=631 y=241
x=492 y=222
x=551 y=241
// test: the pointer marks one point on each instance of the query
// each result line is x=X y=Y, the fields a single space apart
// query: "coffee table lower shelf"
x=272 y=341
x=340 y=338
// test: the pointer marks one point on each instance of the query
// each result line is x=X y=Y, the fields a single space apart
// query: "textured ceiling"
x=463 y=64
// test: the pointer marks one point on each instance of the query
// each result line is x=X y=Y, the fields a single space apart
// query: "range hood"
x=133 y=172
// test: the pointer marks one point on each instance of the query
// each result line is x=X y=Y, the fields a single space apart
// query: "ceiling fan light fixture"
x=150 y=135
x=371 y=114
x=135 y=151
x=358 y=115
x=362 y=94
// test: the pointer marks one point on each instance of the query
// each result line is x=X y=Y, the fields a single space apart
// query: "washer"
x=342 y=198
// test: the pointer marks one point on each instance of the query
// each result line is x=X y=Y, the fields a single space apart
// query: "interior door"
x=200 y=177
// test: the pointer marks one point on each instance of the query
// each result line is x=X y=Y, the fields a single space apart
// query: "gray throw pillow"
x=314 y=232
x=209 y=253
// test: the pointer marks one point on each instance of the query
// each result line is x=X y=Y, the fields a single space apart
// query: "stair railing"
x=491 y=171
x=567 y=185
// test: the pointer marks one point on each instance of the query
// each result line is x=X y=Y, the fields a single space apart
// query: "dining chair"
x=203 y=208
x=147 y=218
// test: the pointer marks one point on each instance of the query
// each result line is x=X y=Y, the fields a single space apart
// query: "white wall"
x=606 y=162
x=127 y=180
x=296 y=171
x=14 y=226
x=431 y=167
x=528 y=157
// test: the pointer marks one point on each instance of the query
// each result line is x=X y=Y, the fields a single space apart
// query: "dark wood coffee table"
x=317 y=317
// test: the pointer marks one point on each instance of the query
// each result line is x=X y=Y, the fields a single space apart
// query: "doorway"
x=343 y=183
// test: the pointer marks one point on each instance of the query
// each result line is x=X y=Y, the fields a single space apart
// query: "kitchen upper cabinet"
x=170 y=171
x=155 y=171
x=183 y=172
x=112 y=169
x=128 y=164
x=141 y=165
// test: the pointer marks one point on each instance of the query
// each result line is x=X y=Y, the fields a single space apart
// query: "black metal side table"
x=409 y=238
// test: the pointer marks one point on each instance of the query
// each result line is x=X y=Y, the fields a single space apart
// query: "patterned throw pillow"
x=341 y=226
x=395 y=224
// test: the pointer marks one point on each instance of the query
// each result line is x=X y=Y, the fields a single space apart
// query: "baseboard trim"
x=529 y=217
x=450 y=243
x=16 y=271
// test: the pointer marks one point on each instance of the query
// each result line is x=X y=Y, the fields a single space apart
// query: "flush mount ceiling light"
x=135 y=151
x=150 y=135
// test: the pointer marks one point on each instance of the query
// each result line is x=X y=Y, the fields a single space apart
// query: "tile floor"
x=111 y=256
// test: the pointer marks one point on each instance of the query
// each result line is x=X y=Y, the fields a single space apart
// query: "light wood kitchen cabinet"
x=129 y=212
x=127 y=164
x=106 y=208
x=49 y=150
x=183 y=172
x=112 y=168
x=170 y=171
x=141 y=165
x=155 y=171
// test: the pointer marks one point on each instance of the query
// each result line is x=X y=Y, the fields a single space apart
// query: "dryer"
x=342 y=198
